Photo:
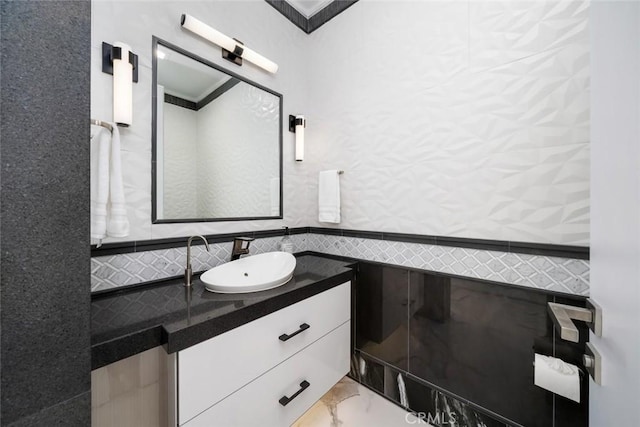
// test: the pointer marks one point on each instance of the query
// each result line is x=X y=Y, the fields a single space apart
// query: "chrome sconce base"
x=295 y=121
x=109 y=53
x=236 y=55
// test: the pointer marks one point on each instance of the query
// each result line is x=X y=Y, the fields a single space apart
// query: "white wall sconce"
x=232 y=49
x=297 y=125
x=119 y=61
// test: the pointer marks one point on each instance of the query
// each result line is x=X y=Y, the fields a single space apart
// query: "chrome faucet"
x=239 y=248
x=187 y=271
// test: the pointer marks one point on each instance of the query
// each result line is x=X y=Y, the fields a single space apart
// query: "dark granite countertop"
x=124 y=323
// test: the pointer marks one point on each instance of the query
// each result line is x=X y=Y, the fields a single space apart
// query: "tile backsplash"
x=566 y=275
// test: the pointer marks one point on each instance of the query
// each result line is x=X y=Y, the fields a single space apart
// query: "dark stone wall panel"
x=45 y=302
x=72 y=412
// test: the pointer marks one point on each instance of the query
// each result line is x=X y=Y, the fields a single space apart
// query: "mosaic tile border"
x=544 y=249
x=566 y=275
x=112 y=271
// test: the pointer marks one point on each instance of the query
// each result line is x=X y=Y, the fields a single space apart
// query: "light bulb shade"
x=214 y=36
x=203 y=30
x=301 y=123
x=122 y=86
x=259 y=60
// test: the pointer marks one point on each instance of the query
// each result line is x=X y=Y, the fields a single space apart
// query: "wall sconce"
x=119 y=61
x=232 y=49
x=297 y=125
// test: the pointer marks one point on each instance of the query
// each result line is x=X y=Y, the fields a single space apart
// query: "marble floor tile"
x=349 y=404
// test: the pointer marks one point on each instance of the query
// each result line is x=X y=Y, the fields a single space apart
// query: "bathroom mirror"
x=217 y=142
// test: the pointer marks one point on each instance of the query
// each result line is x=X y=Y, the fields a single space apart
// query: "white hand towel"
x=117 y=221
x=329 y=196
x=100 y=153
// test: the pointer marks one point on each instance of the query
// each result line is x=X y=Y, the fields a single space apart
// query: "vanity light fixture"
x=297 y=125
x=232 y=49
x=119 y=61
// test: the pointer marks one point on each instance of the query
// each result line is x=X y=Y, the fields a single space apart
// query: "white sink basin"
x=250 y=274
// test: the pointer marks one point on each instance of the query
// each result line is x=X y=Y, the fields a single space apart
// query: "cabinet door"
x=210 y=371
x=321 y=366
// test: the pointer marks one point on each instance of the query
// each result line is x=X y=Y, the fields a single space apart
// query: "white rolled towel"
x=117 y=220
x=100 y=155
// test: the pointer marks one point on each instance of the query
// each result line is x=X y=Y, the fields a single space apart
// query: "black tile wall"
x=464 y=347
x=568 y=412
x=439 y=409
x=72 y=412
x=429 y=405
x=44 y=216
x=476 y=341
x=381 y=313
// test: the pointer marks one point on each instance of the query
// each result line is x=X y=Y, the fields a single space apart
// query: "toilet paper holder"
x=593 y=363
x=562 y=316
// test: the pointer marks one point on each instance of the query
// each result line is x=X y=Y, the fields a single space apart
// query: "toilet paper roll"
x=557 y=376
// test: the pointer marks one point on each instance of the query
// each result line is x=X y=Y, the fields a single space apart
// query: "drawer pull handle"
x=284 y=400
x=285 y=337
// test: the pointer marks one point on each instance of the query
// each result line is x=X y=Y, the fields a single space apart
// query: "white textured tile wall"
x=455 y=118
x=248 y=117
x=540 y=272
x=451 y=118
x=260 y=27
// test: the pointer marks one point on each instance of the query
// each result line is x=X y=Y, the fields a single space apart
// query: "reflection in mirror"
x=217 y=142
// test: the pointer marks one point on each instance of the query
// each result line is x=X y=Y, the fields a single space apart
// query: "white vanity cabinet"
x=245 y=376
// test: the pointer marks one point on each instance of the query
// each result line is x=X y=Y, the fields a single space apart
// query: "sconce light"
x=232 y=49
x=119 y=61
x=297 y=125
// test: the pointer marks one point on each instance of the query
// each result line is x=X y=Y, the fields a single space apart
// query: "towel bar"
x=562 y=314
x=103 y=124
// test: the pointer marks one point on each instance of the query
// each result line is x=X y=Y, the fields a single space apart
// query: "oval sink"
x=250 y=274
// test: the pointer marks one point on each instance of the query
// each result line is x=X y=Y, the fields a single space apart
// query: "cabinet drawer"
x=213 y=369
x=321 y=365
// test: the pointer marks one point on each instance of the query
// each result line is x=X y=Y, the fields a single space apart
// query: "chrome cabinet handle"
x=285 y=337
x=284 y=400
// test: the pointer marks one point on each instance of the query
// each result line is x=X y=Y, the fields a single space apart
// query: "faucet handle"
x=244 y=239
x=240 y=241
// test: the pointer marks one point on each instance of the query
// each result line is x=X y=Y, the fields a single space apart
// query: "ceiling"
x=308 y=8
x=186 y=78
x=309 y=15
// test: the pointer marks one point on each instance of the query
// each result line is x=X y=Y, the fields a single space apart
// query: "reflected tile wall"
x=472 y=339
